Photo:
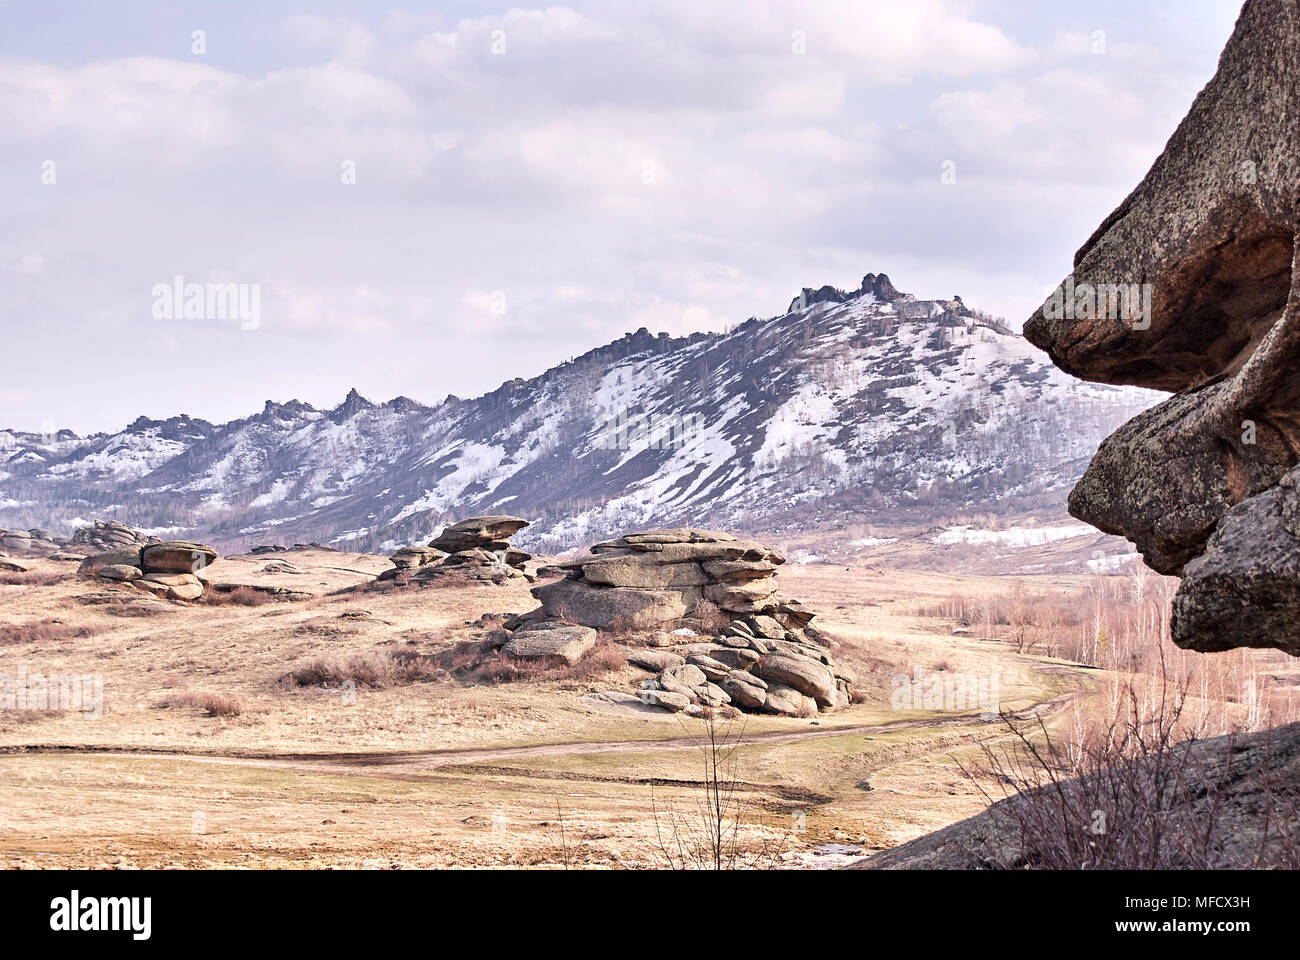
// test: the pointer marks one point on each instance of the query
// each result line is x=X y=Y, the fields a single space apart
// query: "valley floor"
x=448 y=773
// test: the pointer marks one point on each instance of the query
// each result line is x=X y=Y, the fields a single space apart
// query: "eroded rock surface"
x=478 y=548
x=1190 y=287
x=746 y=648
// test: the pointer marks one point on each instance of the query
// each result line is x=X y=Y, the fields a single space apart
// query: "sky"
x=436 y=198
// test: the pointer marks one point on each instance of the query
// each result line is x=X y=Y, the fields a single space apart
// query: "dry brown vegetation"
x=44 y=631
x=374 y=669
x=444 y=732
x=32 y=578
x=241 y=596
x=214 y=704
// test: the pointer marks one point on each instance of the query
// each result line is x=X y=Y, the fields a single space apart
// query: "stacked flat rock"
x=1205 y=483
x=33 y=541
x=167 y=569
x=767 y=658
x=644 y=579
x=107 y=535
x=478 y=548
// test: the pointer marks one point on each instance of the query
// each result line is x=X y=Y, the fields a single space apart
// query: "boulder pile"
x=764 y=656
x=757 y=664
x=164 y=569
x=478 y=548
x=1190 y=287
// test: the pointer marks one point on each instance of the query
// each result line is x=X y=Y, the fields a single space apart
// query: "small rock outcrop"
x=478 y=548
x=106 y=535
x=764 y=655
x=551 y=641
x=1190 y=287
x=166 y=569
x=31 y=542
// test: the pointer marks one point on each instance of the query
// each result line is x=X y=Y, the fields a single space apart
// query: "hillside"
x=869 y=404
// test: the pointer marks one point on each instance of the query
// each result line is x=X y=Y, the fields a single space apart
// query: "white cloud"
x=675 y=165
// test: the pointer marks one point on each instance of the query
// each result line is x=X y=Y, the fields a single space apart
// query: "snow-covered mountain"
x=850 y=405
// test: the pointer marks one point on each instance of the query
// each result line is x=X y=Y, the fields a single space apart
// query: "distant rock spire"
x=878 y=286
x=352 y=404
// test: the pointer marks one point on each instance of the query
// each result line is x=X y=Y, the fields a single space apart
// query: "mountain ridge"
x=870 y=398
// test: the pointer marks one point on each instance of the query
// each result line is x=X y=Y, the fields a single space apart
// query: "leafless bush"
x=43 y=631
x=241 y=596
x=605 y=656
x=710 y=832
x=215 y=704
x=32 y=578
x=373 y=668
x=710 y=616
x=1125 y=795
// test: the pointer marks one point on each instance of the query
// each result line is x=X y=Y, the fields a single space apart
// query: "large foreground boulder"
x=1190 y=287
x=176 y=556
x=561 y=643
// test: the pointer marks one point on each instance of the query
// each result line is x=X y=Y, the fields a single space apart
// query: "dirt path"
x=484 y=756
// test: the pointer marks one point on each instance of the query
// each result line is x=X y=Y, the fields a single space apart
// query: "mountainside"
x=859 y=404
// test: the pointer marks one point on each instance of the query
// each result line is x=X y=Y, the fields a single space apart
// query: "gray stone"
x=606 y=607
x=655 y=660
x=746 y=691
x=1212 y=231
x=121 y=571
x=674 y=702
x=809 y=677
x=176 y=556
x=708 y=666
x=567 y=643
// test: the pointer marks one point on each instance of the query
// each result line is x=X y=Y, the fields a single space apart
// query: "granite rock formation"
x=764 y=655
x=478 y=548
x=165 y=569
x=1190 y=286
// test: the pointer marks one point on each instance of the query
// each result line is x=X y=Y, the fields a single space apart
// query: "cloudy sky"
x=533 y=182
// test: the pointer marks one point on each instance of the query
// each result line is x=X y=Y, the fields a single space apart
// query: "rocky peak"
x=352 y=404
x=285 y=411
x=809 y=297
x=878 y=286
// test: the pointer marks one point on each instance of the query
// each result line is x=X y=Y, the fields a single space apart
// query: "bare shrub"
x=32 y=578
x=604 y=657
x=710 y=616
x=373 y=668
x=242 y=596
x=1124 y=795
x=711 y=832
x=43 y=631
x=215 y=704
x=10 y=719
